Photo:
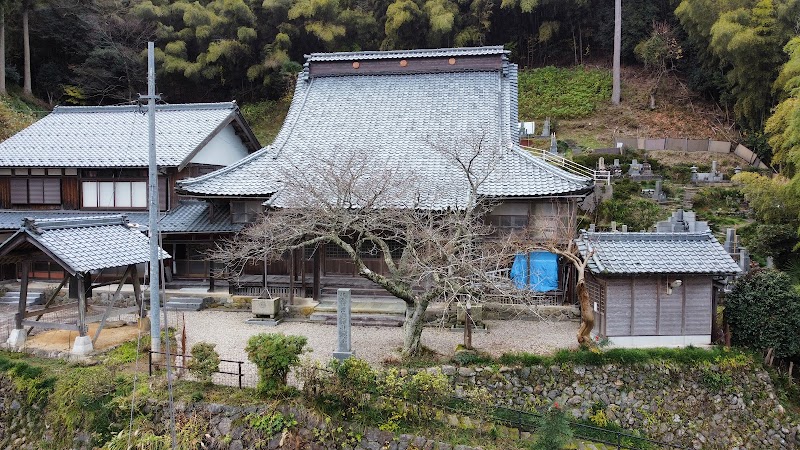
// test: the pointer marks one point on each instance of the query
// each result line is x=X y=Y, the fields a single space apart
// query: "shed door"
x=670 y=314
x=645 y=306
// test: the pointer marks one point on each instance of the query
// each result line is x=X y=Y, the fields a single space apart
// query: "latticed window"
x=597 y=293
x=36 y=191
x=506 y=223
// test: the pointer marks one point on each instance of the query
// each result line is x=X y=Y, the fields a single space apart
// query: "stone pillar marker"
x=343 y=349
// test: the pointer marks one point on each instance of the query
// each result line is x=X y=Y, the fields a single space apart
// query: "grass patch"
x=563 y=93
x=122 y=354
x=266 y=118
x=622 y=356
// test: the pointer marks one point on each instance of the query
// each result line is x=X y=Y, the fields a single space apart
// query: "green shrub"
x=270 y=424
x=204 y=361
x=554 y=432
x=763 y=311
x=773 y=239
x=274 y=354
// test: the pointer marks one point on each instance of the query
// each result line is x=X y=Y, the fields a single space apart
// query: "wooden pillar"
x=303 y=270
x=210 y=276
x=317 y=270
x=264 y=283
x=81 y=304
x=291 y=276
x=23 y=294
x=714 y=324
x=137 y=290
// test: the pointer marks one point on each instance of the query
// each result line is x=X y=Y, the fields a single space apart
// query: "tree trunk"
x=412 y=327
x=615 y=91
x=26 y=49
x=3 y=90
x=587 y=314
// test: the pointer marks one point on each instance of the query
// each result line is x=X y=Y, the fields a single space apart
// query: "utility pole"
x=155 y=272
x=616 y=88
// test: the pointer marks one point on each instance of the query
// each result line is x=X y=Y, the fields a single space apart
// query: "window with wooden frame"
x=245 y=212
x=504 y=223
x=118 y=194
x=35 y=191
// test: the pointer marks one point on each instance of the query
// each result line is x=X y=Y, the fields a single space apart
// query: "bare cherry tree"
x=429 y=228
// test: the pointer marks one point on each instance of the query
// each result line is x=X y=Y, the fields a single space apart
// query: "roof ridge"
x=134 y=107
x=73 y=222
x=649 y=235
x=415 y=53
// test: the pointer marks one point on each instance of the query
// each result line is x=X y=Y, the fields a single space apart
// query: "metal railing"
x=599 y=176
x=239 y=373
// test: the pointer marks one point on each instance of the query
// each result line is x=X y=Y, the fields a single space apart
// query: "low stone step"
x=368 y=305
x=185 y=303
x=375 y=320
x=12 y=298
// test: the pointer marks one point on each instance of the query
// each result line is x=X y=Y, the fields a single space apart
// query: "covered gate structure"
x=80 y=246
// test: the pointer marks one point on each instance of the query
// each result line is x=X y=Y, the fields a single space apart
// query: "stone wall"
x=22 y=427
x=704 y=406
x=21 y=423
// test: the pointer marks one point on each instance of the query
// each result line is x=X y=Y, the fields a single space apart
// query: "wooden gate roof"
x=79 y=244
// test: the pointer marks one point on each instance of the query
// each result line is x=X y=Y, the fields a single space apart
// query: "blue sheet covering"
x=537 y=271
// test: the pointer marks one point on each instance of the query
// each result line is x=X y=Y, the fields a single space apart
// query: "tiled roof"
x=192 y=216
x=651 y=253
x=114 y=136
x=395 y=120
x=10 y=220
x=88 y=243
x=400 y=54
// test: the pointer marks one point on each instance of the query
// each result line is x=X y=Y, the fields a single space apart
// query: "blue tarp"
x=537 y=271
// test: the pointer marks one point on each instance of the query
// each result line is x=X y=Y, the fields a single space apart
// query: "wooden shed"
x=654 y=289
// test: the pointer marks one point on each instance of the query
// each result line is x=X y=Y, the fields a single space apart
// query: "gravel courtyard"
x=375 y=344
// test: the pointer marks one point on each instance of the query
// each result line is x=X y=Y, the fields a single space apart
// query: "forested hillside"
x=735 y=53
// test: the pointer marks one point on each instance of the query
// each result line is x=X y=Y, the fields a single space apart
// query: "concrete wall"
x=719 y=146
x=692 y=145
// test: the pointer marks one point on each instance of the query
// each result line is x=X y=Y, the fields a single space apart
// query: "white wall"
x=223 y=149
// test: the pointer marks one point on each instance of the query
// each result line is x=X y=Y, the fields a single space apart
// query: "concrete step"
x=12 y=298
x=372 y=292
x=375 y=320
x=365 y=305
x=185 y=303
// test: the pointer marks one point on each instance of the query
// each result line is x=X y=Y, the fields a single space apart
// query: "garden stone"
x=224 y=426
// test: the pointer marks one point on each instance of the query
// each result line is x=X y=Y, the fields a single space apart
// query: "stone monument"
x=343 y=349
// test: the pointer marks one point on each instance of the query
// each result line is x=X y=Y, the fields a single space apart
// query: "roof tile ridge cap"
x=226 y=169
x=66 y=109
x=78 y=222
x=418 y=51
x=550 y=168
x=202 y=105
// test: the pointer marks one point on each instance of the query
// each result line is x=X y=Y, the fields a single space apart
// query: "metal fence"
x=230 y=373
